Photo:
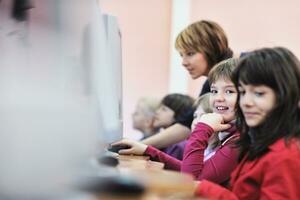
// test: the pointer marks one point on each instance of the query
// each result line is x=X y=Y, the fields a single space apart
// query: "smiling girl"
x=204 y=158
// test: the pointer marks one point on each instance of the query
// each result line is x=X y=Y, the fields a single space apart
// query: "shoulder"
x=282 y=152
x=281 y=146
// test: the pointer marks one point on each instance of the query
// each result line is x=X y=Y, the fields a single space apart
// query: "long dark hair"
x=279 y=69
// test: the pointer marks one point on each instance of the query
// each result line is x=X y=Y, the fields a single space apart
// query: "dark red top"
x=216 y=169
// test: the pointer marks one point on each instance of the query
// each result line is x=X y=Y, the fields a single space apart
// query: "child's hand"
x=215 y=121
x=135 y=147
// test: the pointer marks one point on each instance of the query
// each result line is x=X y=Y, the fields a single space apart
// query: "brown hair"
x=179 y=103
x=205 y=37
x=223 y=70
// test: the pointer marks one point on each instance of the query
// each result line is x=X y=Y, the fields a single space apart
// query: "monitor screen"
x=102 y=58
x=60 y=91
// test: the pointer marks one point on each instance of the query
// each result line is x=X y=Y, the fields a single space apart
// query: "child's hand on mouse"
x=136 y=148
x=215 y=121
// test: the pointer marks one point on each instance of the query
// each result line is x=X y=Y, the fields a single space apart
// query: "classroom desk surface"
x=159 y=184
x=138 y=162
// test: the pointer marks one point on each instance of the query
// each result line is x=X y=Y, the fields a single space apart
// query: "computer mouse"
x=108 y=161
x=117 y=148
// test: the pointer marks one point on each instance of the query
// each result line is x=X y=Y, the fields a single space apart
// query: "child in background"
x=268 y=117
x=204 y=158
x=202 y=106
x=172 y=108
x=143 y=116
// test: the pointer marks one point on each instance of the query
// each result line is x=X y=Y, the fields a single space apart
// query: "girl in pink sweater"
x=204 y=157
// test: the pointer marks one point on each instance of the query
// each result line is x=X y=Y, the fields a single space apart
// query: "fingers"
x=121 y=142
x=225 y=126
x=126 y=151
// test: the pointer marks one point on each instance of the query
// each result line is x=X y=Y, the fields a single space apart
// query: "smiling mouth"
x=222 y=108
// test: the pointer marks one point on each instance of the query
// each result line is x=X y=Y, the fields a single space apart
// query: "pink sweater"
x=216 y=169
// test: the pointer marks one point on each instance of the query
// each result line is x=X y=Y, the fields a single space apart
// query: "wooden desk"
x=160 y=184
x=138 y=162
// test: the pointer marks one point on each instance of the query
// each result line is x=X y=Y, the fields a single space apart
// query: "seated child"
x=221 y=156
x=201 y=107
x=172 y=108
x=143 y=116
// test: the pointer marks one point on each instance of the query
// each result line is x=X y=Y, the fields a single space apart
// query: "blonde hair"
x=148 y=105
x=203 y=101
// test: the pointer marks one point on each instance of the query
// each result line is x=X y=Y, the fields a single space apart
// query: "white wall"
x=145 y=28
x=253 y=24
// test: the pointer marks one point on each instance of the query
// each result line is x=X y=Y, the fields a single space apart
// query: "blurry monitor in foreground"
x=60 y=94
x=103 y=56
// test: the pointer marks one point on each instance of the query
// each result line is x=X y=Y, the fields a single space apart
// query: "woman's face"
x=164 y=117
x=256 y=101
x=195 y=63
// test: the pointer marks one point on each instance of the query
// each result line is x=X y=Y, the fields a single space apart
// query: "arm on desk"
x=138 y=148
x=169 y=161
x=133 y=147
x=172 y=135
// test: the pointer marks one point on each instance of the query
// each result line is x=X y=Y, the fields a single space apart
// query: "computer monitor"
x=60 y=91
x=102 y=59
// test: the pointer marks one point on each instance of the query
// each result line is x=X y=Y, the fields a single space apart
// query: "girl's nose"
x=246 y=100
x=219 y=96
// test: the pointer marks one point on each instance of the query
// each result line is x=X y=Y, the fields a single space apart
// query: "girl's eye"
x=259 y=94
x=213 y=91
x=229 y=91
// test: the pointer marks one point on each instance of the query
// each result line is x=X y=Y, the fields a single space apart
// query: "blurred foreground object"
x=52 y=104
